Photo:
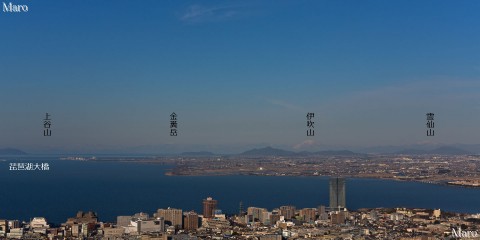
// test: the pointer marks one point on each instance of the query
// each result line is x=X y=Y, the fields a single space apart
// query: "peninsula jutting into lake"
x=439 y=166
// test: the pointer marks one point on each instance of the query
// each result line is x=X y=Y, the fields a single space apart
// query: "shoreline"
x=454 y=182
x=445 y=182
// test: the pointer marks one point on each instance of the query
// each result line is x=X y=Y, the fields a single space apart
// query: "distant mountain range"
x=11 y=151
x=446 y=150
x=269 y=151
x=200 y=153
x=453 y=149
x=424 y=149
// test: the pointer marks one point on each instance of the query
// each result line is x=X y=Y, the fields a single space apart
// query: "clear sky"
x=238 y=74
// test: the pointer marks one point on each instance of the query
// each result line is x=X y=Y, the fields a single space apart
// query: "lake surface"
x=113 y=188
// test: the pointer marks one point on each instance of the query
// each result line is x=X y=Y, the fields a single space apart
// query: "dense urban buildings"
x=284 y=222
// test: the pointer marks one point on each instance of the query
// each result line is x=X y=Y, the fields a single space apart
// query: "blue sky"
x=238 y=74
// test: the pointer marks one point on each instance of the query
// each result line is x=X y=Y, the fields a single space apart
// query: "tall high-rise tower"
x=337 y=193
x=240 y=210
x=209 y=206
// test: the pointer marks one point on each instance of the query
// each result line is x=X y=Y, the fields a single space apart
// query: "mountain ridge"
x=11 y=151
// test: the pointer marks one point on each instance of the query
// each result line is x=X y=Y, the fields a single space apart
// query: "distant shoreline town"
x=446 y=169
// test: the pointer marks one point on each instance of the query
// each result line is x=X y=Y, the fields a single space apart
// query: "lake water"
x=113 y=188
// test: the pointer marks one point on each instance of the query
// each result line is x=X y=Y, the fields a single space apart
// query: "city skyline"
x=240 y=74
x=284 y=222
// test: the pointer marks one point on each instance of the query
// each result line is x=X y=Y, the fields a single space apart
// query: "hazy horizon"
x=239 y=74
x=232 y=150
